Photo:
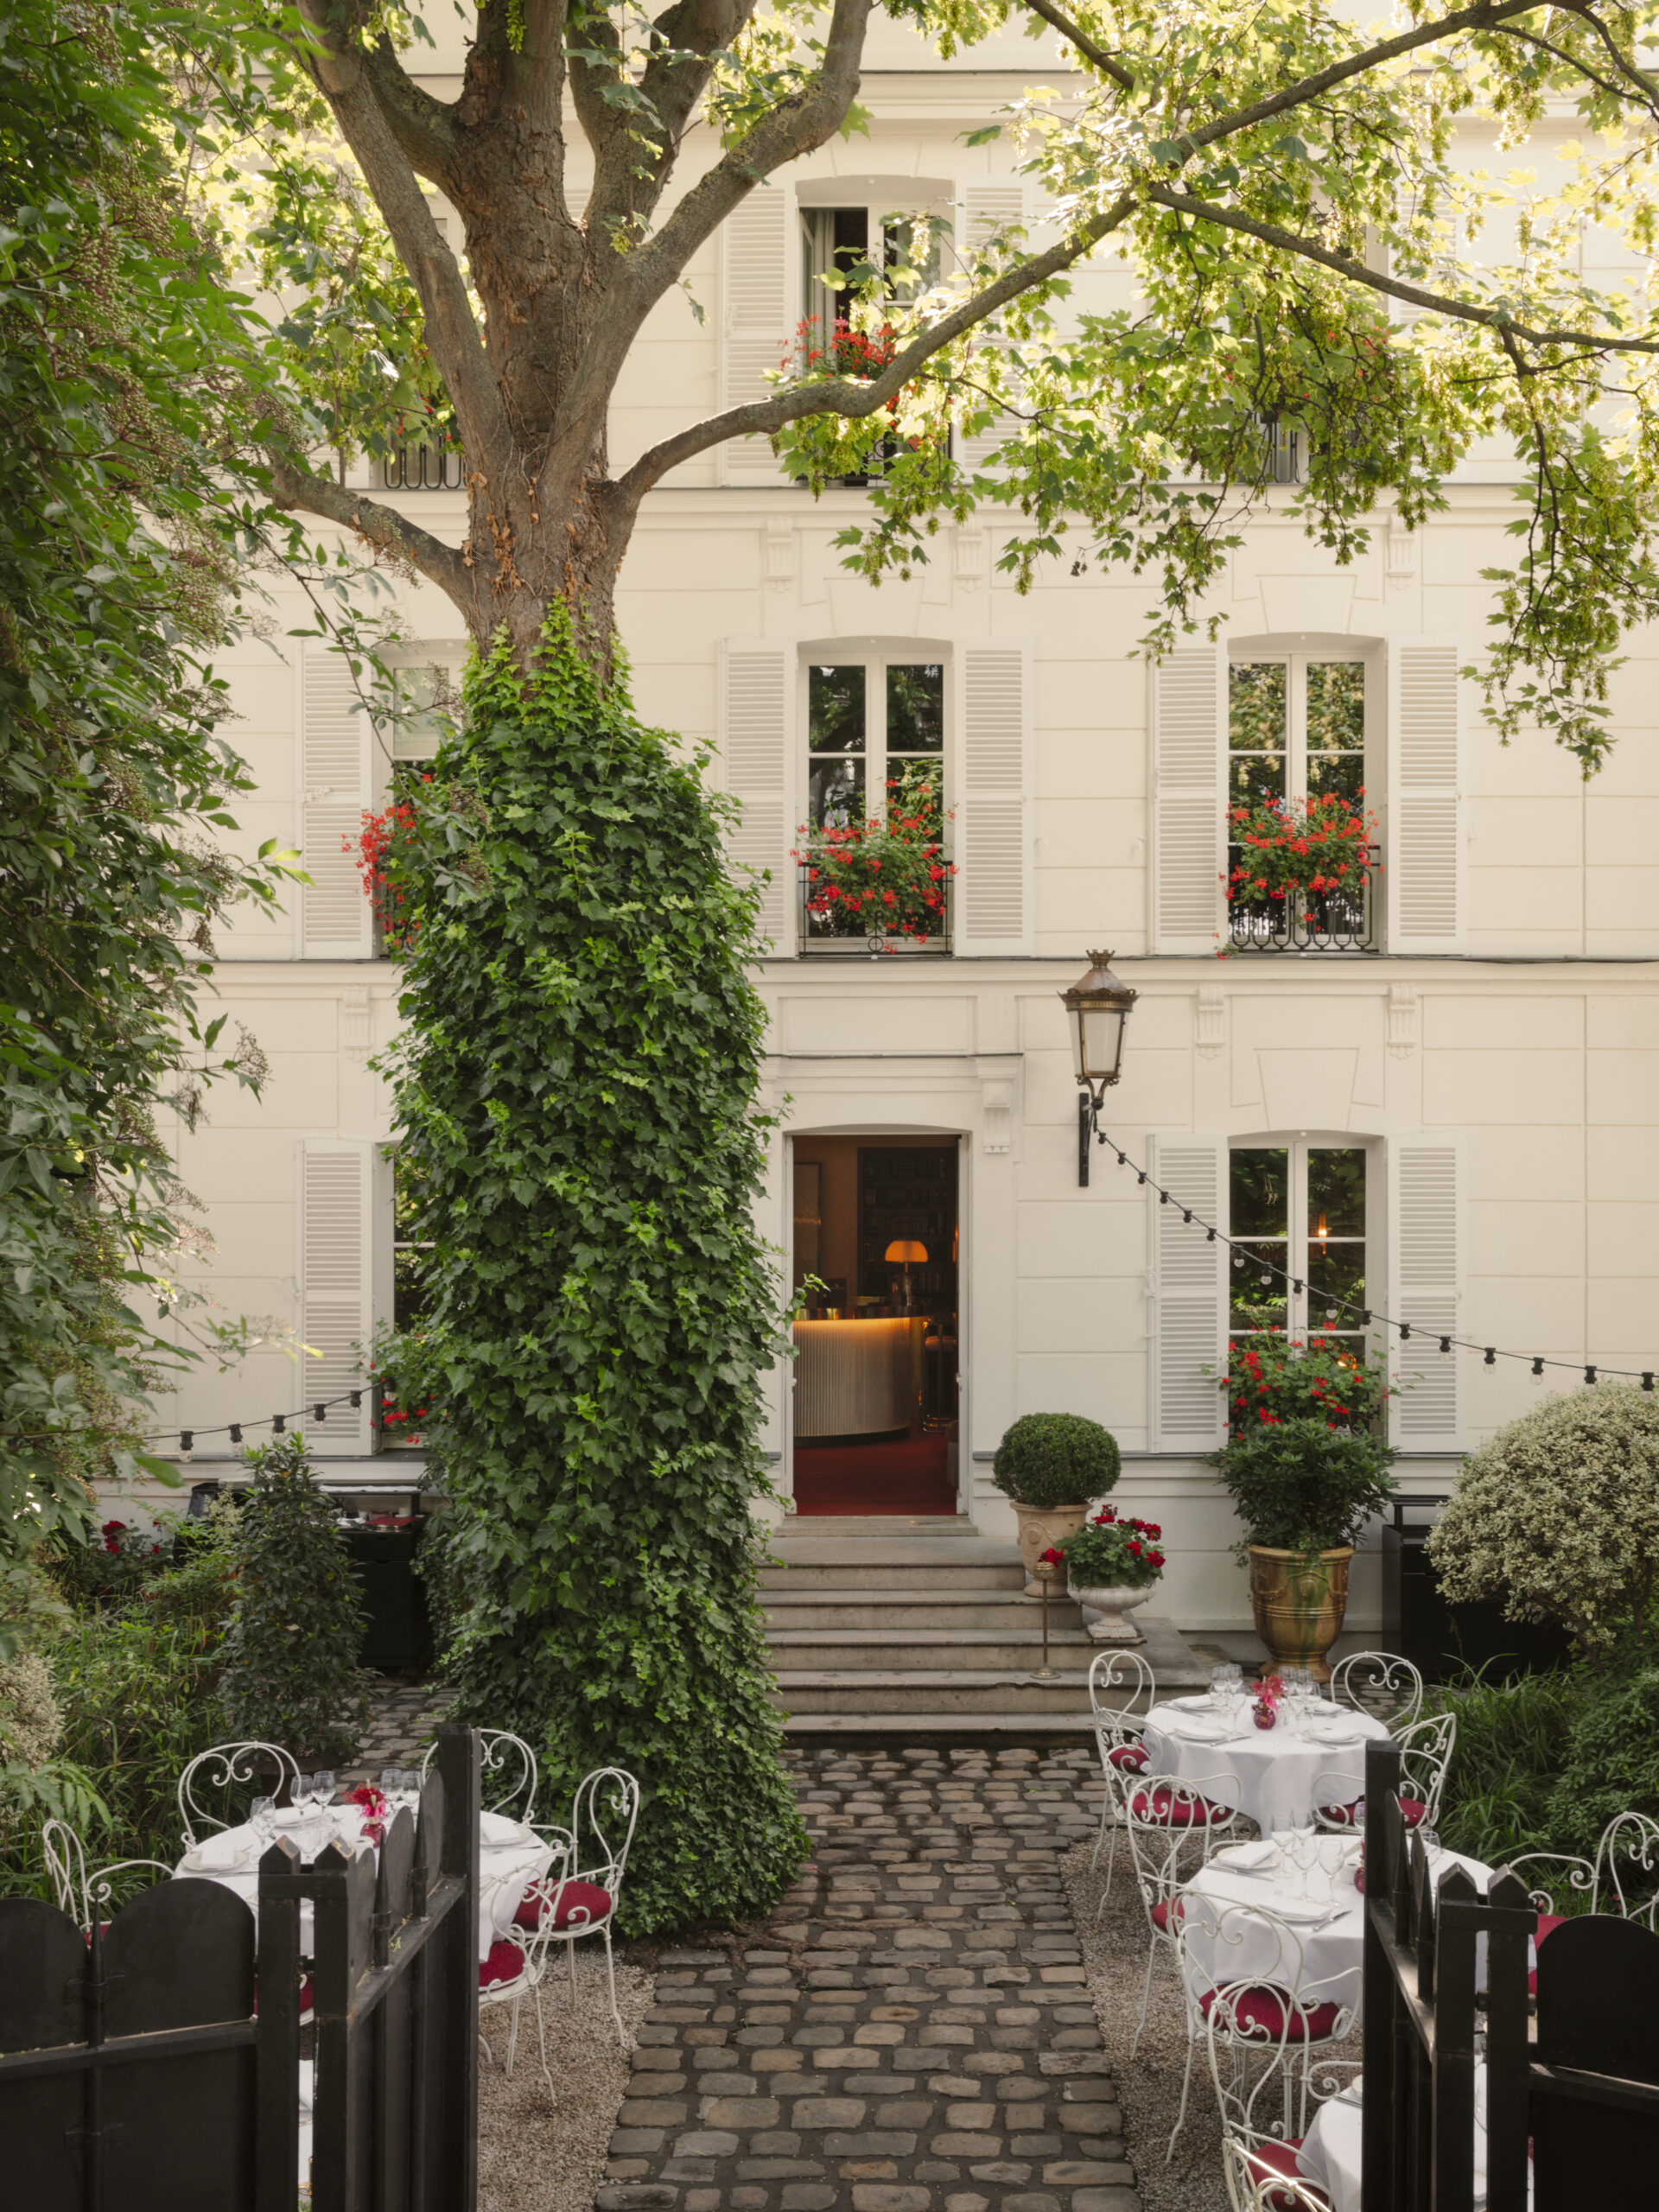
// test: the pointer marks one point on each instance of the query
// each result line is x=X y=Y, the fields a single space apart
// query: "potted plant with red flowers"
x=880 y=880
x=1111 y=1563
x=1299 y=862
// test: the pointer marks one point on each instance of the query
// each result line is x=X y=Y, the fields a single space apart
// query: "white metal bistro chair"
x=222 y=1767
x=1369 y=1680
x=1120 y=1735
x=1248 y=1996
x=86 y=1897
x=1426 y=1751
x=579 y=1896
x=1163 y=1818
x=1558 y=1878
x=507 y=1767
x=516 y=1965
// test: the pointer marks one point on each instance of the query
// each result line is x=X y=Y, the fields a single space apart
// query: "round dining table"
x=1321 y=1908
x=1279 y=1772
x=1330 y=2153
x=511 y=1857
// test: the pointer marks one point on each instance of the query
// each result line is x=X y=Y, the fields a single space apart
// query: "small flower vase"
x=1266 y=1717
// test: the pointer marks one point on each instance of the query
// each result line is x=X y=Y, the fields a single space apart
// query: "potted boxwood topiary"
x=1111 y=1566
x=1304 y=1489
x=1053 y=1466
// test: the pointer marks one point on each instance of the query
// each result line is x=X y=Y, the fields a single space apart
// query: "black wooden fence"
x=155 y=2063
x=1579 y=2087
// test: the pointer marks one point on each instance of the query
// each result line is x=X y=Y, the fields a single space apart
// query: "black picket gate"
x=1578 y=2088
x=155 y=2063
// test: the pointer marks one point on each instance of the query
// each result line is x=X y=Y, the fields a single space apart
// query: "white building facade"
x=1473 y=1058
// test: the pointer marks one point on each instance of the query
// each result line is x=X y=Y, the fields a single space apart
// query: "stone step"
x=818 y=1527
x=903 y=1563
x=913 y=1731
x=895 y=1650
x=953 y=1690
x=942 y=1606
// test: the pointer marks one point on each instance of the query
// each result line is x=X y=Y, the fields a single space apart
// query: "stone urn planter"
x=1114 y=1606
x=1298 y=1600
x=1041 y=1527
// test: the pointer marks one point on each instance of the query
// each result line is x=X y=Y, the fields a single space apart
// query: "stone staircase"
x=917 y=1631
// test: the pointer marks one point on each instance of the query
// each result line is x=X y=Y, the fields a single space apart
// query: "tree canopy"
x=1281 y=185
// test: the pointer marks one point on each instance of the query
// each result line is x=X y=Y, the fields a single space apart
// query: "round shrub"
x=1048 y=1460
x=1305 y=1486
x=1558 y=1516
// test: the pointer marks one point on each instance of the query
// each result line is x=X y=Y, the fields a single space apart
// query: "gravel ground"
x=534 y=2157
x=1149 y=2085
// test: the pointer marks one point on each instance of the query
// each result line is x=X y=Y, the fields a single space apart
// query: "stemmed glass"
x=1302 y=1849
x=302 y=1789
x=261 y=1819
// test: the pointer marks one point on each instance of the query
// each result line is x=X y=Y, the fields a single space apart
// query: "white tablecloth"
x=1332 y=1950
x=1330 y=2155
x=510 y=1858
x=1276 y=1771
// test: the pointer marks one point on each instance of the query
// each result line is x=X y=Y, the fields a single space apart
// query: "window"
x=1295 y=729
x=835 y=248
x=1302 y=1208
x=426 y=697
x=875 y=731
x=409 y=1246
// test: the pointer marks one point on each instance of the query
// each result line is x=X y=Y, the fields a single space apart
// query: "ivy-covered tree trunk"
x=578 y=1093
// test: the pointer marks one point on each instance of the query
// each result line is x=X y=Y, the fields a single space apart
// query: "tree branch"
x=1086 y=46
x=450 y=330
x=857 y=400
x=377 y=526
x=424 y=128
x=1232 y=219
x=795 y=127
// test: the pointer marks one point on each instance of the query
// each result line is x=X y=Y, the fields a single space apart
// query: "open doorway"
x=874 y=1394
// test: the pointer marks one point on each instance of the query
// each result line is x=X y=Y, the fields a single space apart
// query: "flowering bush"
x=1558 y=1515
x=1272 y=1378
x=384 y=846
x=846 y=351
x=1110 y=1553
x=1316 y=846
x=866 y=878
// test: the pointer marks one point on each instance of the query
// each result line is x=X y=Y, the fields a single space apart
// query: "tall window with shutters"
x=1302 y=1213
x=875 y=851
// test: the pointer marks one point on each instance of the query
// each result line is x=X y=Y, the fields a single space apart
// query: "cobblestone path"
x=910 y=2032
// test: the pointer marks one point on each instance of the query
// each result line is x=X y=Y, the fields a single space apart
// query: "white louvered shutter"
x=1189 y=1278
x=981 y=210
x=1423 y=1222
x=1423 y=857
x=336 y=1280
x=756 y=689
x=337 y=783
x=991 y=847
x=756 y=321
x=1189 y=765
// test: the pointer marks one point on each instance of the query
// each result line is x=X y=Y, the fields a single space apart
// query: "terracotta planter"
x=1298 y=1600
x=1039 y=1530
x=1114 y=1605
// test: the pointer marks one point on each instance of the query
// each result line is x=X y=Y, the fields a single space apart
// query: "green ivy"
x=577 y=1090
x=288 y=1666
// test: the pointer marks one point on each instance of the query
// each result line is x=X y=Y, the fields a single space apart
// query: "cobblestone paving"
x=402 y=1721
x=910 y=2032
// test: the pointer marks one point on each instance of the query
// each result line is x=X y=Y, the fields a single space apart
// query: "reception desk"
x=856 y=1378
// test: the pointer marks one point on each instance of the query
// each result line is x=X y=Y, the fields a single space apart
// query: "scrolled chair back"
x=602 y=1821
x=1246 y=1984
x=1632 y=1838
x=1366 y=1680
x=1253 y=2186
x=1426 y=1750
x=66 y=1865
x=223 y=1766
x=1122 y=1689
x=507 y=1771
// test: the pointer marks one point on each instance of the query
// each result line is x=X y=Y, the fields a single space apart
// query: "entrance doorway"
x=876 y=1254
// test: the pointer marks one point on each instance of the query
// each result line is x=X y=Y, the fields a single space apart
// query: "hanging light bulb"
x=1491 y=1355
x=1537 y=1367
x=1238 y=1259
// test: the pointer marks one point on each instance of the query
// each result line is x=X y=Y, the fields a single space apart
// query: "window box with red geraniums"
x=881 y=880
x=383 y=850
x=1300 y=859
x=1111 y=1563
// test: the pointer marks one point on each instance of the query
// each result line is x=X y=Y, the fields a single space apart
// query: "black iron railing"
x=1344 y=920
x=822 y=929
x=424 y=468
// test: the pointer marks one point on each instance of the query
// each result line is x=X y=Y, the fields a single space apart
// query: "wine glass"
x=261 y=1819
x=302 y=1789
x=323 y=1786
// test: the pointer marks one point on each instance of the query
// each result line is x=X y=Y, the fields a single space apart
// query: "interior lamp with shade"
x=907 y=1252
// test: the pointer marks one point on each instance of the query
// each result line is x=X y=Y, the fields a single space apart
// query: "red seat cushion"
x=584 y=1903
x=1268 y=2162
x=504 y=1964
x=1412 y=1811
x=1261 y=2013
x=1159 y=1805
x=1547 y=1924
x=1128 y=1758
x=1160 y=1917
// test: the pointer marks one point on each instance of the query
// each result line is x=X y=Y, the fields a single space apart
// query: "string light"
x=236 y=1431
x=1242 y=1256
x=277 y=1425
x=318 y=1410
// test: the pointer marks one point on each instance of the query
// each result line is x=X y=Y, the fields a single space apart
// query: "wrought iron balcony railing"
x=424 y=468
x=1344 y=920
x=821 y=931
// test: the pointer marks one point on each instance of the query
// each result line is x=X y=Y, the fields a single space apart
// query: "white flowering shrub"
x=30 y=1720
x=1558 y=1516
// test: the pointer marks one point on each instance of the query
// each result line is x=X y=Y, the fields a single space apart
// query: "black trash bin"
x=1441 y=1639
x=397 y=1637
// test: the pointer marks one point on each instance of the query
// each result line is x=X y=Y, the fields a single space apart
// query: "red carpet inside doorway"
x=906 y=1477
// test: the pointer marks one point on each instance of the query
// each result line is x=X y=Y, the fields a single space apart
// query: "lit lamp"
x=907 y=1251
x=1099 y=1006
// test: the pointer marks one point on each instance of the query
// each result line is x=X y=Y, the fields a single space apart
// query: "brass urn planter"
x=1298 y=1600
